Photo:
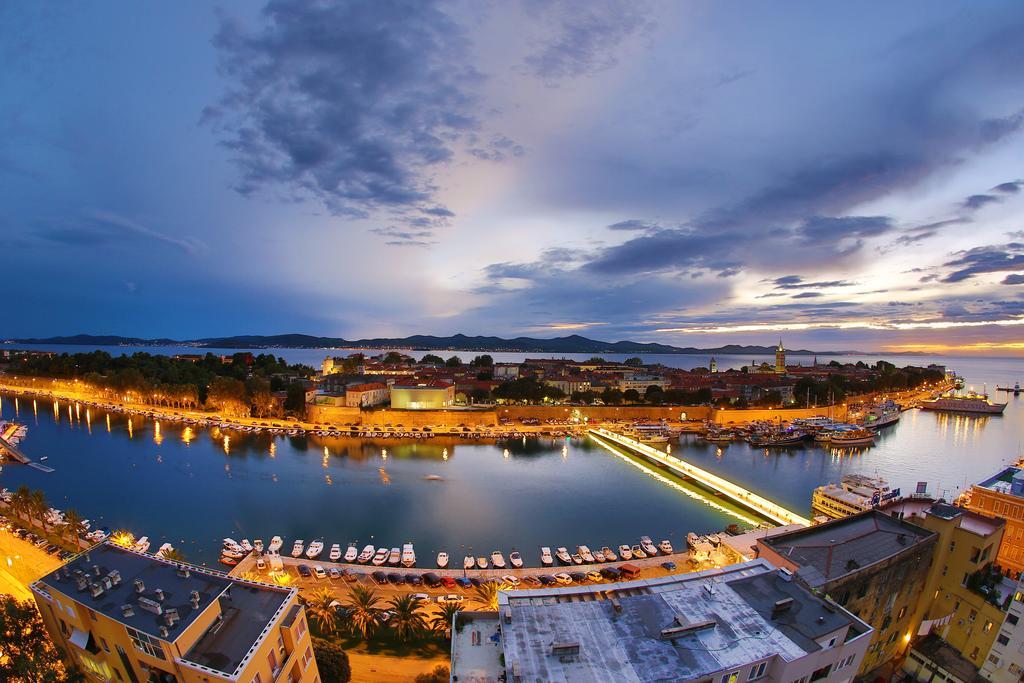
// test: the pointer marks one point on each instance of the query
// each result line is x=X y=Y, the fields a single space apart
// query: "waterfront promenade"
x=747 y=499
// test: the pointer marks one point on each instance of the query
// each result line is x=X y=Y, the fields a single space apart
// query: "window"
x=256 y=678
x=973 y=615
x=993 y=659
x=307 y=657
x=821 y=673
x=1002 y=640
x=300 y=628
x=988 y=626
x=1012 y=619
x=886 y=621
x=731 y=677
x=974 y=653
x=757 y=671
x=832 y=642
x=967 y=577
x=92 y=615
x=145 y=643
x=272 y=660
x=903 y=610
x=944 y=568
x=952 y=546
x=975 y=554
x=103 y=644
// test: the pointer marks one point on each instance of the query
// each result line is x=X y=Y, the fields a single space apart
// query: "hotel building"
x=1003 y=496
x=127 y=616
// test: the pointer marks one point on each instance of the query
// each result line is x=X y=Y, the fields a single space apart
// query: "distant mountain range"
x=459 y=342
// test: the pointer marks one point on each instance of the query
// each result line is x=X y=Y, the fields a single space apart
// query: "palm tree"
x=487 y=595
x=174 y=555
x=73 y=527
x=406 y=617
x=322 y=608
x=39 y=507
x=364 y=614
x=442 y=621
x=20 y=501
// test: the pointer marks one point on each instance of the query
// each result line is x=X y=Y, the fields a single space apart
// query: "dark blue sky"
x=693 y=173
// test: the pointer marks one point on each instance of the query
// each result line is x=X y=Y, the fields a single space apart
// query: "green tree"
x=631 y=395
x=407 y=618
x=453 y=362
x=363 y=610
x=322 y=608
x=442 y=621
x=440 y=674
x=295 y=402
x=484 y=361
x=174 y=555
x=431 y=359
x=74 y=527
x=26 y=651
x=612 y=397
x=331 y=661
x=39 y=507
x=486 y=595
x=633 y=362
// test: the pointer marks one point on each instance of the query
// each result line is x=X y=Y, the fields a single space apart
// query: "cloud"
x=1012 y=187
x=585 y=36
x=976 y=201
x=1014 y=279
x=355 y=104
x=797 y=282
x=986 y=259
x=806 y=295
x=398 y=237
x=104 y=228
x=632 y=224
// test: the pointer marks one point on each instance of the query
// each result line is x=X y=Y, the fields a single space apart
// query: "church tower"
x=714 y=365
x=780 y=359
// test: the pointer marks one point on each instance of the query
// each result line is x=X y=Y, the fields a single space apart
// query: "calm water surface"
x=190 y=487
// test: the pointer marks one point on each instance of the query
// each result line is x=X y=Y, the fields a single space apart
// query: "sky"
x=841 y=175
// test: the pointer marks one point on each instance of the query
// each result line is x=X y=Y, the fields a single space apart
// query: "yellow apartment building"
x=127 y=616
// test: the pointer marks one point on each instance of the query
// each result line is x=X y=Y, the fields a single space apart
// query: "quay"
x=739 y=495
x=9 y=450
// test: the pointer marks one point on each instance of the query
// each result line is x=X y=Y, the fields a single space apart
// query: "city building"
x=127 y=616
x=327 y=367
x=746 y=622
x=964 y=595
x=427 y=395
x=1005 y=660
x=366 y=395
x=873 y=564
x=640 y=383
x=505 y=370
x=1003 y=496
x=569 y=385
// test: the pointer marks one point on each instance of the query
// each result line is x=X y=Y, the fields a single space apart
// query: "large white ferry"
x=968 y=403
x=855 y=493
x=885 y=413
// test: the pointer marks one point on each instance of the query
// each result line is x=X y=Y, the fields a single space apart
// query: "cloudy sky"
x=697 y=173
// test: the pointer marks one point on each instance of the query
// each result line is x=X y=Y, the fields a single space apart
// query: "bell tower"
x=780 y=359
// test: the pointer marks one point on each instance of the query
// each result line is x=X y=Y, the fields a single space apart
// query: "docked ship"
x=967 y=403
x=882 y=414
x=855 y=493
x=852 y=437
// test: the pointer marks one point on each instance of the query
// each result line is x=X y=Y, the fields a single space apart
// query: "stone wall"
x=600 y=413
x=343 y=415
x=736 y=415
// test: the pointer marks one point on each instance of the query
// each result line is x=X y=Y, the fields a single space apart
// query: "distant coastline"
x=458 y=342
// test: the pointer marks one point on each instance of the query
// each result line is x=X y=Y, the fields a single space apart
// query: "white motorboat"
x=648 y=546
x=381 y=557
x=233 y=554
x=335 y=554
x=638 y=552
x=164 y=549
x=498 y=560
x=442 y=560
x=585 y=553
x=257 y=545
x=275 y=544
x=481 y=562
x=142 y=545
x=577 y=558
x=545 y=556
x=468 y=562
x=515 y=559
x=609 y=556
x=246 y=545
x=394 y=556
x=692 y=539
x=562 y=554
x=665 y=547
x=625 y=552
x=408 y=555
x=231 y=543
x=366 y=555
x=297 y=548
x=315 y=549
x=351 y=553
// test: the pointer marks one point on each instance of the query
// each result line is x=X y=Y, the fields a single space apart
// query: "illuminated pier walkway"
x=9 y=450
x=748 y=499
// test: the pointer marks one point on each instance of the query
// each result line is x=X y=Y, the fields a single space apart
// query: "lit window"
x=307 y=658
x=145 y=643
x=757 y=671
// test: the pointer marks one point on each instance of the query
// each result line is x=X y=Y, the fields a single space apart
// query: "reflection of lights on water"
x=227 y=468
x=505 y=454
x=384 y=453
x=157 y=436
x=78 y=412
x=69 y=412
x=327 y=478
x=131 y=429
x=227 y=444
x=326 y=452
x=444 y=454
x=273 y=478
x=108 y=422
x=565 y=452
x=718 y=451
x=187 y=435
x=273 y=449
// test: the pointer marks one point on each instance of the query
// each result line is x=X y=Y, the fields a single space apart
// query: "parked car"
x=432 y=579
x=334 y=573
x=511 y=580
x=422 y=597
x=562 y=578
x=578 y=577
x=533 y=581
x=546 y=580
x=448 y=582
x=319 y=572
x=594 y=576
x=304 y=571
x=380 y=577
x=451 y=597
x=414 y=580
x=464 y=583
x=396 y=578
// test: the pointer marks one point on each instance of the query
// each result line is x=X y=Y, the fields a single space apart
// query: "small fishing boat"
x=638 y=552
x=648 y=546
x=562 y=554
x=381 y=557
x=335 y=553
x=625 y=552
x=585 y=553
x=394 y=556
x=229 y=561
x=315 y=549
x=164 y=549
x=142 y=545
x=481 y=562
x=275 y=544
x=408 y=555
x=366 y=555
x=515 y=559
x=297 y=548
x=257 y=545
x=854 y=437
x=545 y=556
x=665 y=547
x=498 y=560
x=442 y=560
x=351 y=553
x=692 y=539
x=577 y=558
x=246 y=545
x=609 y=556
x=468 y=562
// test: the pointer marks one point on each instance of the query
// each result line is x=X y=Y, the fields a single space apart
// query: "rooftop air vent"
x=785 y=574
x=151 y=605
x=115 y=577
x=81 y=582
x=682 y=626
x=171 y=616
x=182 y=572
x=901 y=539
x=781 y=606
x=159 y=594
x=96 y=590
x=164 y=632
x=127 y=611
x=96 y=571
x=139 y=586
